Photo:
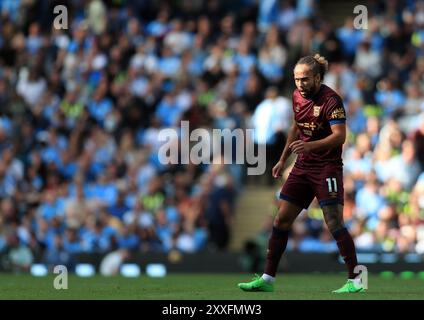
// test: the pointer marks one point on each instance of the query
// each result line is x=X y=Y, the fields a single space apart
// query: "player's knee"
x=283 y=222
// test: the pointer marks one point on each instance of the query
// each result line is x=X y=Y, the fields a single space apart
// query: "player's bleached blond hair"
x=317 y=63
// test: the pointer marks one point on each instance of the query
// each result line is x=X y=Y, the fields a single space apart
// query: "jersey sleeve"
x=335 y=111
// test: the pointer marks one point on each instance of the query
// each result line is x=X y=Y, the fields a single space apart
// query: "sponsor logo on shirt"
x=307 y=132
x=339 y=113
x=310 y=125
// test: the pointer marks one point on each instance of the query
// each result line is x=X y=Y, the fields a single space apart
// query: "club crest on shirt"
x=317 y=110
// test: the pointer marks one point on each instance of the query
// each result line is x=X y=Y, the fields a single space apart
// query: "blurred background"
x=81 y=109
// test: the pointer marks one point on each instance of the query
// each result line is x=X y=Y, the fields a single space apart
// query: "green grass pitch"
x=204 y=287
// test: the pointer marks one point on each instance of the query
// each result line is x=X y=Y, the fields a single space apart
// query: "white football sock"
x=268 y=278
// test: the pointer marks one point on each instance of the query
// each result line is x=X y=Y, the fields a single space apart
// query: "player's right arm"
x=292 y=135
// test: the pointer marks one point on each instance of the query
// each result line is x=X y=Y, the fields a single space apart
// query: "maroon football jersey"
x=314 y=118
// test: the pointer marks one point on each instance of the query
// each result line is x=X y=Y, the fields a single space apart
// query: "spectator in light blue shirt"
x=67 y=167
x=389 y=97
x=72 y=242
x=160 y=26
x=357 y=120
x=167 y=111
x=404 y=167
x=119 y=208
x=10 y=7
x=349 y=37
x=34 y=41
x=169 y=64
x=104 y=190
x=50 y=207
x=268 y=14
x=270 y=69
x=56 y=254
x=128 y=239
x=287 y=16
x=369 y=202
x=100 y=105
x=244 y=59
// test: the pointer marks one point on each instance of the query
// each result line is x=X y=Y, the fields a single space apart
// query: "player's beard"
x=308 y=93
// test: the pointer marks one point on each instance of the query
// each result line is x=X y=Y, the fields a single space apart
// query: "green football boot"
x=350 y=287
x=257 y=284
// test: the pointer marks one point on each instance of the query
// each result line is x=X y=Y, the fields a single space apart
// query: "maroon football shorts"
x=303 y=185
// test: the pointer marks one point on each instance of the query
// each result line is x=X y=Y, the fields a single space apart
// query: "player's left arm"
x=335 y=139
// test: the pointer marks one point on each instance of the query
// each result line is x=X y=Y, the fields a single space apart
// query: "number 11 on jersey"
x=332 y=187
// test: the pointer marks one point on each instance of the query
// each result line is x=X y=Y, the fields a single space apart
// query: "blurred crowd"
x=81 y=110
x=379 y=72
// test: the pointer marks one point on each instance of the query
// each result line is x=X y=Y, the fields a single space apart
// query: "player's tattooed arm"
x=292 y=135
